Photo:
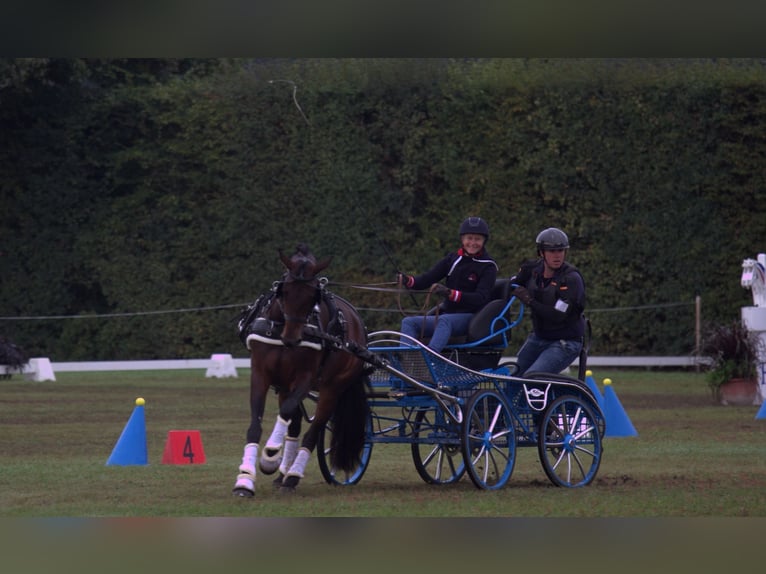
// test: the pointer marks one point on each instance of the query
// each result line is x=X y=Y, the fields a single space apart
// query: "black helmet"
x=475 y=225
x=551 y=238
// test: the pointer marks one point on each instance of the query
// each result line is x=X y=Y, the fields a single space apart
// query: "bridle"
x=319 y=284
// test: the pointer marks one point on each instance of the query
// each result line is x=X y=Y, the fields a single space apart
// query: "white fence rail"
x=157 y=365
x=647 y=362
x=203 y=364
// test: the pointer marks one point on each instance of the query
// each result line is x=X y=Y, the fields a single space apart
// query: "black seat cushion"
x=481 y=323
x=501 y=290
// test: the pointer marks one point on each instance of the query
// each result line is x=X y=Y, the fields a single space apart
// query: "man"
x=555 y=292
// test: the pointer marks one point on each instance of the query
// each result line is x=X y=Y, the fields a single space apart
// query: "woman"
x=470 y=274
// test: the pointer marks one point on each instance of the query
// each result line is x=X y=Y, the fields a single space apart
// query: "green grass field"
x=691 y=458
x=688 y=494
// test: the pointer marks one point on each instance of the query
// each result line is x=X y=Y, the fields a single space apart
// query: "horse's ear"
x=284 y=259
x=322 y=264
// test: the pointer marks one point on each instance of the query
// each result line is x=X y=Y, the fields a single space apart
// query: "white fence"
x=158 y=365
x=41 y=369
x=647 y=362
x=205 y=364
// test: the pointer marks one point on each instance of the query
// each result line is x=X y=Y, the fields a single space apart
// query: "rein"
x=399 y=289
x=422 y=311
x=321 y=284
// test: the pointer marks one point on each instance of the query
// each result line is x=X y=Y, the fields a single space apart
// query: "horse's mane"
x=304 y=260
x=304 y=250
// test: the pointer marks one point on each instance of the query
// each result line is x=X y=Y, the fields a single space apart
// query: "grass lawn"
x=695 y=472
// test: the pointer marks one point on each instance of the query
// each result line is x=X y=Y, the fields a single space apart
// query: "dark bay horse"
x=297 y=336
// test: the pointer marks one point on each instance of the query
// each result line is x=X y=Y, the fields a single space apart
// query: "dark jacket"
x=470 y=278
x=558 y=303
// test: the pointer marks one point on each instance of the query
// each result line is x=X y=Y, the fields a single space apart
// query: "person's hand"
x=523 y=295
x=403 y=280
x=440 y=290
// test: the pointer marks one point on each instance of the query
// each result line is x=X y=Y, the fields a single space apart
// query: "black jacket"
x=558 y=303
x=470 y=278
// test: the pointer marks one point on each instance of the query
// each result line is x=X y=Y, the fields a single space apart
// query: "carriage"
x=461 y=414
x=461 y=411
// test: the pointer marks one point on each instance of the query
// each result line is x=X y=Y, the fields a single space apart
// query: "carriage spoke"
x=569 y=442
x=439 y=454
x=437 y=460
x=489 y=440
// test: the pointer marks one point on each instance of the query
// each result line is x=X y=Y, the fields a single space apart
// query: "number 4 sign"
x=183 y=447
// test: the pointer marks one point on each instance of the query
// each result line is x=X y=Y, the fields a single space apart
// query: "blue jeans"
x=440 y=328
x=546 y=355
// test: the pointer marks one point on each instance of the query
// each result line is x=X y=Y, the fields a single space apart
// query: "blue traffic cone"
x=591 y=382
x=131 y=446
x=617 y=420
x=762 y=411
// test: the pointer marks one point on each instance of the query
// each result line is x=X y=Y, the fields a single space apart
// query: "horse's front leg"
x=281 y=449
x=297 y=469
x=245 y=484
x=282 y=457
x=283 y=438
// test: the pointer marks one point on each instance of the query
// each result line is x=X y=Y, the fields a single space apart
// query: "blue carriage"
x=463 y=412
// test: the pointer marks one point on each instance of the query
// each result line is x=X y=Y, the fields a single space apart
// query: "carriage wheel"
x=436 y=463
x=339 y=477
x=489 y=440
x=569 y=442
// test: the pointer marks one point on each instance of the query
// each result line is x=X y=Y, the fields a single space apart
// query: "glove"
x=405 y=281
x=523 y=295
x=441 y=291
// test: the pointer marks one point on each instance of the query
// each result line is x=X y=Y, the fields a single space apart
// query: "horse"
x=299 y=337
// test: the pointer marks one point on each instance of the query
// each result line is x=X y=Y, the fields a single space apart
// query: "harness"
x=254 y=323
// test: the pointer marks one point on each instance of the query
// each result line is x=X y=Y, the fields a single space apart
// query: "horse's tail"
x=349 y=422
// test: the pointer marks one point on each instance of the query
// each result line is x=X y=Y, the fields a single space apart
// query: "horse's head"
x=299 y=291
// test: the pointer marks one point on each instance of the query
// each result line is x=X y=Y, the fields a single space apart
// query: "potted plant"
x=732 y=351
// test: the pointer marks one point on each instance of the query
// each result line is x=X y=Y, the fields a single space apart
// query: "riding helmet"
x=551 y=238
x=475 y=225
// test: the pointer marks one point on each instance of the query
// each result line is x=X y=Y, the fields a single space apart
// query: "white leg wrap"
x=271 y=456
x=290 y=452
x=245 y=481
x=246 y=476
x=249 y=458
x=299 y=466
x=277 y=437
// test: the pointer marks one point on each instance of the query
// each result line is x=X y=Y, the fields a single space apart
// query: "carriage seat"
x=481 y=323
x=467 y=350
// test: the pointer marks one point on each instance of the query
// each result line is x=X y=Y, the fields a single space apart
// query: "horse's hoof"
x=277 y=482
x=290 y=482
x=243 y=492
